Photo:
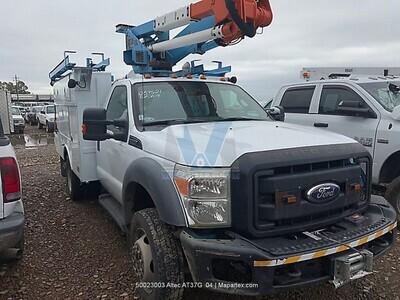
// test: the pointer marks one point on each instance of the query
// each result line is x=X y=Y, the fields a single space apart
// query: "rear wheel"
x=39 y=125
x=75 y=189
x=156 y=256
x=392 y=195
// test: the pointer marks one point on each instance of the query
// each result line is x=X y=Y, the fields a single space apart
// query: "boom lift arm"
x=209 y=24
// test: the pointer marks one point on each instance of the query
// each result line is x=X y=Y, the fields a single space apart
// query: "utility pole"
x=16 y=86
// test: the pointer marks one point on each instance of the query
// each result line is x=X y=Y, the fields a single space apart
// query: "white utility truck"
x=365 y=108
x=206 y=185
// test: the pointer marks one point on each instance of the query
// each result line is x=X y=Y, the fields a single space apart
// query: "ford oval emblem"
x=323 y=193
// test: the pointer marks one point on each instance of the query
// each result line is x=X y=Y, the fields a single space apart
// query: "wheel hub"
x=142 y=260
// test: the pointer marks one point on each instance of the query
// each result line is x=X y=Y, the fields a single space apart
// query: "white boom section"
x=194 y=38
x=172 y=20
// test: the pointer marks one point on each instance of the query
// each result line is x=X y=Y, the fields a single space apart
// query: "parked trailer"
x=5 y=112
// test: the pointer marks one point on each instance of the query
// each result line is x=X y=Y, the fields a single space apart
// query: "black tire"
x=156 y=255
x=392 y=195
x=75 y=189
x=39 y=125
x=31 y=122
x=48 y=128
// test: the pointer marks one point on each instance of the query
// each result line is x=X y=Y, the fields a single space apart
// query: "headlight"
x=206 y=195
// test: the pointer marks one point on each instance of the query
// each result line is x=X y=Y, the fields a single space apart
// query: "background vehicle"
x=18 y=120
x=46 y=118
x=366 y=109
x=321 y=73
x=22 y=110
x=31 y=115
x=12 y=217
x=191 y=180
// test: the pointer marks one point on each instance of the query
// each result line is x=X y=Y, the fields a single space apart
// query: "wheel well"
x=136 y=198
x=389 y=170
x=65 y=154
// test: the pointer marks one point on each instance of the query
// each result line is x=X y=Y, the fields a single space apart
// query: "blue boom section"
x=143 y=61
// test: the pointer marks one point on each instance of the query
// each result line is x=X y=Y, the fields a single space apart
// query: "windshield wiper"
x=175 y=122
x=236 y=119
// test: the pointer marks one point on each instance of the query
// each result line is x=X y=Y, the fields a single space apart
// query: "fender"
x=153 y=177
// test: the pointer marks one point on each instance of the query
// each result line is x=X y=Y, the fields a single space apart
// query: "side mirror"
x=396 y=113
x=277 y=113
x=355 y=108
x=94 y=127
x=72 y=83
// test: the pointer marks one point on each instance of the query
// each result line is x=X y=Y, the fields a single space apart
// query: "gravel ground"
x=75 y=251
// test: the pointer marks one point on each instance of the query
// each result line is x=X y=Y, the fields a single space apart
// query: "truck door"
x=113 y=154
x=297 y=101
x=362 y=129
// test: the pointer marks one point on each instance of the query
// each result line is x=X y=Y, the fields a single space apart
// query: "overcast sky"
x=34 y=34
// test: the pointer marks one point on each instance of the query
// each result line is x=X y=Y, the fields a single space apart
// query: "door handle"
x=322 y=125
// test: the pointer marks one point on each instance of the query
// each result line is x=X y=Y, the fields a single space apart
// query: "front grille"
x=272 y=188
x=261 y=181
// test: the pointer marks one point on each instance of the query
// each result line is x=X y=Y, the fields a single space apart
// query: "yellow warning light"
x=224 y=79
x=291 y=199
x=189 y=76
x=147 y=76
x=203 y=76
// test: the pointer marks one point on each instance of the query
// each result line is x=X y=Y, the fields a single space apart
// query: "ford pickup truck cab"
x=363 y=108
x=12 y=217
x=206 y=184
x=45 y=118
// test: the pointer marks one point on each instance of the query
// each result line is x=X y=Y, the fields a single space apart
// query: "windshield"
x=187 y=102
x=50 y=109
x=386 y=93
x=15 y=111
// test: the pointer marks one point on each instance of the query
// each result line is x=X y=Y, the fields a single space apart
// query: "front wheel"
x=392 y=195
x=157 y=257
x=48 y=128
x=39 y=125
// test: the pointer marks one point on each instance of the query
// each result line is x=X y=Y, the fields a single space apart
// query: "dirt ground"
x=76 y=251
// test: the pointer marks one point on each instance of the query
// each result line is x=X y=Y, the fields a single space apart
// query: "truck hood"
x=220 y=144
x=17 y=117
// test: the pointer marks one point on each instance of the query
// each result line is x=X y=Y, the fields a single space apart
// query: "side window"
x=298 y=100
x=117 y=107
x=331 y=97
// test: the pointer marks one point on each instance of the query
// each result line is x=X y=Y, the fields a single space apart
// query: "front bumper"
x=11 y=230
x=234 y=264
